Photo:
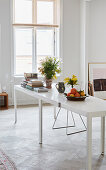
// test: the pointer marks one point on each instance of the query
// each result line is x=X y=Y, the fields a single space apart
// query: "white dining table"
x=91 y=107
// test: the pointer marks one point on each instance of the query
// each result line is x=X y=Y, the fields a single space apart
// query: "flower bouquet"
x=50 y=66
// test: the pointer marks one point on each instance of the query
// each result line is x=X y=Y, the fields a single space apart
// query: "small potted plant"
x=71 y=81
x=49 y=67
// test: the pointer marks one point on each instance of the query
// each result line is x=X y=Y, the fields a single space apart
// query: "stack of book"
x=24 y=83
x=37 y=86
x=34 y=83
x=30 y=76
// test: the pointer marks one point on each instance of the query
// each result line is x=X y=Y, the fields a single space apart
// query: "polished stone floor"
x=58 y=151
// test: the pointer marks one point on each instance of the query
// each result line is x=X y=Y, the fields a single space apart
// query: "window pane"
x=57 y=42
x=45 y=12
x=23 y=11
x=45 y=44
x=23 y=50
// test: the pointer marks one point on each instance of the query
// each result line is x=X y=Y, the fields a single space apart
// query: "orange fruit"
x=77 y=95
x=68 y=94
x=73 y=91
x=82 y=93
x=72 y=95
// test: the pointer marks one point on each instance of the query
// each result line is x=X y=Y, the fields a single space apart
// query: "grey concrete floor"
x=58 y=151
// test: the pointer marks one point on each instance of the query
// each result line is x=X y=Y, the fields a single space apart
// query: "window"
x=36 y=33
x=23 y=11
x=45 y=44
x=45 y=11
x=23 y=50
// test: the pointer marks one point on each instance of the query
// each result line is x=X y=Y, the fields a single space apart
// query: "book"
x=29 y=87
x=23 y=84
x=40 y=89
x=30 y=75
x=35 y=81
x=35 y=85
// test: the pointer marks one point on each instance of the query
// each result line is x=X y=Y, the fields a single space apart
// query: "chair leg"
x=77 y=131
x=53 y=127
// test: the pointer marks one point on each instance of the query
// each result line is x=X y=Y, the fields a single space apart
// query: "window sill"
x=18 y=76
x=39 y=76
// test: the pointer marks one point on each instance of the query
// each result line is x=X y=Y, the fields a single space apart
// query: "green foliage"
x=49 y=67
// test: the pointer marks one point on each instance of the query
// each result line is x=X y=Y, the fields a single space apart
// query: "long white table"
x=91 y=107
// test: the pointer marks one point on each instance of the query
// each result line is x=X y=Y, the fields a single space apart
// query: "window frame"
x=13 y=12
x=34 y=14
x=54 y=9
x=35 y=27
x=33 y=61
x=54 y=42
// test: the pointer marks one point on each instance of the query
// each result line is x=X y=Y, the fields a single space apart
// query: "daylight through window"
x=36 y=33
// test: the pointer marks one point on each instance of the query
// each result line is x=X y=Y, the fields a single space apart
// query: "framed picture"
x=97 y=77
x=96 y=71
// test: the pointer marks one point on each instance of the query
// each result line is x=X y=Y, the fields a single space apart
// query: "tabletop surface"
x=90 y=106
x=3 y=94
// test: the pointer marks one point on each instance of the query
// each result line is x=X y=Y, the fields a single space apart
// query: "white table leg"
x=102 y=135
x=15 y=106
x=54 y=112
x=89 y=143
x=40 y=121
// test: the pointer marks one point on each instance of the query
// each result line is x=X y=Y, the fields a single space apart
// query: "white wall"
x=70 y=45
x=71 y=37
x=5 y=52
x=84 y=42
x=94 y=46
x=97 y=31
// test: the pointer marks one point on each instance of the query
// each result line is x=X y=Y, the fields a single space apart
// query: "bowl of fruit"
x=75 y=95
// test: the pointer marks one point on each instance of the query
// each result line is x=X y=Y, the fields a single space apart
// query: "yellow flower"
x=55 y=76
x=58 y=71
x=74 y=78
x=66 y=80
x=41 y=70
